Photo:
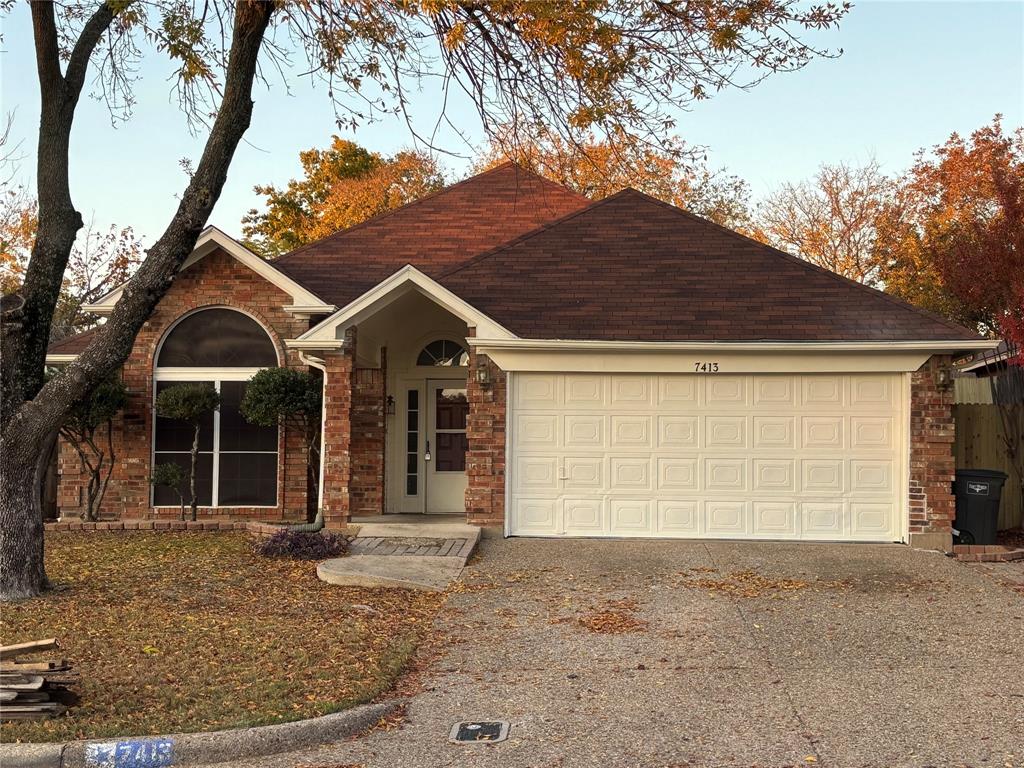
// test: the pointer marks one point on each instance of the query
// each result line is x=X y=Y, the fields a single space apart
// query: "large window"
x=237 y=464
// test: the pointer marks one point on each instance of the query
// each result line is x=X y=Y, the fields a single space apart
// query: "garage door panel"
x=584 y=473
x=677 y=473
x=823 y=432
x=871 y=476
x=722 y=474
x=869 y=519
x=629 y=473
x=537 y=515
x=725 y=390
x=822 y=520
x=725 y=432
x=872 y=433
x=631 y=431
x=678 y=517
x=774 y=391
x=631 y=393
x=871 y=391
x=678 y=431
x=584 y=431
x=537 y=473
x=674 y=455
x=820 y=476
x=775 y=475
x=538 y=391
x=822 y=392
x=774 y=432
x=774 y=519
x=677 y=393
x=583 y=516
x=585 y=391
x=725 y=517
x=537 y=430
x=630 y=517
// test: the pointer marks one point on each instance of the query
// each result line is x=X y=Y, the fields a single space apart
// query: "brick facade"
x=337 y=458
x=368 y=438
x=218 y=280
x=485 y=430
x=932 y=466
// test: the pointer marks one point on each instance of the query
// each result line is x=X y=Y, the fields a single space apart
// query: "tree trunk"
x=192 y=472
x=22 y=572
x=28 y=414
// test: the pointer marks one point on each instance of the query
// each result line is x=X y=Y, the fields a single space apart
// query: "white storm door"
x=447 y=409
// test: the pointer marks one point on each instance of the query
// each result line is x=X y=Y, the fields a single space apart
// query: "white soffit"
x=328 y=332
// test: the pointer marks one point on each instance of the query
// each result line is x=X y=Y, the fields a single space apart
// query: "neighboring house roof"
x=72 y=345
x=980 y=362
x=431 y=234
x=632 y=268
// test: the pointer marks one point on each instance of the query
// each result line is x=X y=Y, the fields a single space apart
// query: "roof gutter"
x=585 y=345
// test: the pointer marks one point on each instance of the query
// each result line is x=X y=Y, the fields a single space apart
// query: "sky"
x=910 y=74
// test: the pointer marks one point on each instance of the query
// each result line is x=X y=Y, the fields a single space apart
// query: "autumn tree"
x=342 y=186
x=831 y=220
x=956 y=245
x=575 y=69
x=597 y=168
x=100 y=260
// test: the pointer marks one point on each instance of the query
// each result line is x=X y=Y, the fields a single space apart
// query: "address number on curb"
x=705 y=367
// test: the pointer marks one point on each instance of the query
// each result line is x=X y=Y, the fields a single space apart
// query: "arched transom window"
x=445 y=353
x=237 y=465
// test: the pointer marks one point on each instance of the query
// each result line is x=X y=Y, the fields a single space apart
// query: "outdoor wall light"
x=390 y=407
x=943 y=379
x=483 y=376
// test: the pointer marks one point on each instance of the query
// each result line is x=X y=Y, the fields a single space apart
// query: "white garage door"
x=772 y=456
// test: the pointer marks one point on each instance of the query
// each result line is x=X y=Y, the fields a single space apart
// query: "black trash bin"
x=977 y=504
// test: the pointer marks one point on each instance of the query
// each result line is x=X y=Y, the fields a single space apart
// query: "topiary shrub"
x=299 y=545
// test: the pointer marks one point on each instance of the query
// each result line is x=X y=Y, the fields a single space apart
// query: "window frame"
x=216 y=376
x=435 y=367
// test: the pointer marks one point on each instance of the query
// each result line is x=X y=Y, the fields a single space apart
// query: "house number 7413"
x=706 y=367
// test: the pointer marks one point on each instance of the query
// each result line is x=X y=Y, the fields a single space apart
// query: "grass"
x=194 y=632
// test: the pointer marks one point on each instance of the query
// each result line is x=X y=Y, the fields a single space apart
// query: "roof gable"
x=304 y=301
x=432 y=234
x=632 y=268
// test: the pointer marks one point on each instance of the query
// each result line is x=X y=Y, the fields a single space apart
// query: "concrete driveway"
x=741 y=654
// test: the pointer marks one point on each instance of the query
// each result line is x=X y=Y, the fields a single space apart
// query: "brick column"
x=485 y=433
x=337 y=461
x=932 y=466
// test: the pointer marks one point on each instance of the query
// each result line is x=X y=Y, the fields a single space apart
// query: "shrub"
x=300 y=545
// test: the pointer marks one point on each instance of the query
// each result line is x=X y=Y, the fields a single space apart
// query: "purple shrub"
x=300 y=545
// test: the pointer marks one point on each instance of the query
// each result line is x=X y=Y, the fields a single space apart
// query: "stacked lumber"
x=28 y=688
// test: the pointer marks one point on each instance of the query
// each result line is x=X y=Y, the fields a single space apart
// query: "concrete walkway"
x=742 y=654
x=404 y=551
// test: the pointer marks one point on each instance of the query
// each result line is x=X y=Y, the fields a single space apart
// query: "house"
x=511 y=351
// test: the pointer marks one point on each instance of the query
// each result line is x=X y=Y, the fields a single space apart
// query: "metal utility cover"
x=479 y=732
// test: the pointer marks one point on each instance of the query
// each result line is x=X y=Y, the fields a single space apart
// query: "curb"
x=197 y=748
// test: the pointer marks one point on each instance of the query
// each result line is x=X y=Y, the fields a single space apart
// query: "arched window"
x=443 y=352
x=217 y=338
x=237 y=465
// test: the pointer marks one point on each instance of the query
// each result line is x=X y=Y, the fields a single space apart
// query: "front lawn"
x=192 y=632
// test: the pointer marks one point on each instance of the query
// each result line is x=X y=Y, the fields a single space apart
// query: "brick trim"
x=485 y=432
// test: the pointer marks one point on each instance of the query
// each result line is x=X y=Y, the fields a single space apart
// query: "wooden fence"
x=979 y=446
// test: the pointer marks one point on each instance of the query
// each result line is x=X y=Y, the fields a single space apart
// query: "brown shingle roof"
x=633 y=268
x=433 y=233
x=72 y=345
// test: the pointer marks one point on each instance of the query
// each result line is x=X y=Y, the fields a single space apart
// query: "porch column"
x=485 y=434
x=337 y=439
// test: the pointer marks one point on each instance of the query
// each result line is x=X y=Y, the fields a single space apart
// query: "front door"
x=445 y=456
